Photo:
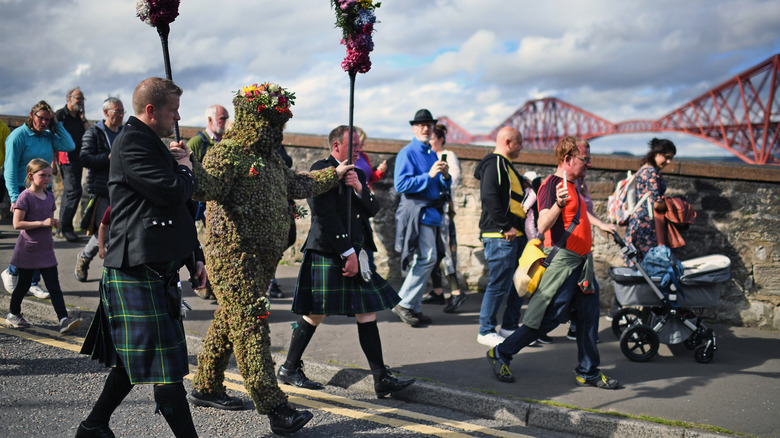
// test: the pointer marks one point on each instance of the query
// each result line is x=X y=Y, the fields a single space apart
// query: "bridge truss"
x=742 y=115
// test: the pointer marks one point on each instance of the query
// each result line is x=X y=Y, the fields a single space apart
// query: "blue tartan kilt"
x=149 y=342
x=322 y=289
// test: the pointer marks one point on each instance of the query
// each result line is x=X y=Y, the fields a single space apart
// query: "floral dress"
x=641 y=226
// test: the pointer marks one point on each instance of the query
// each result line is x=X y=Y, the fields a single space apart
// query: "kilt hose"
x=323 y=289
x=150 y=344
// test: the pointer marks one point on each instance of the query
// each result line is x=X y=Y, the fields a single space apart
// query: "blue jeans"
x=568 y=298
x=420 y=269
x=502 y=256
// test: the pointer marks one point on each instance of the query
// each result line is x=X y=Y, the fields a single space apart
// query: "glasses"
x=120 y=112
x=584 y=160
x=43 y=119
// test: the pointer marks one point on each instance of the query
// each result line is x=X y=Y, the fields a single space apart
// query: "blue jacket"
x=23 y=145
x=412 y=165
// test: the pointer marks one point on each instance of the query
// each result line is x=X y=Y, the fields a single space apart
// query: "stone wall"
x=737 y=205
x=738 y=208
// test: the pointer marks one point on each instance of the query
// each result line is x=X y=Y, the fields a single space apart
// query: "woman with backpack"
x=641 y=224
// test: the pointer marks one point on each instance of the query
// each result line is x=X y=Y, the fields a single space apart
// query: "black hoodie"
x=496 y=192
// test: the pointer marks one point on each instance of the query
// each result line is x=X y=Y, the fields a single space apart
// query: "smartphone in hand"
x=444 y=157
x=565 y=185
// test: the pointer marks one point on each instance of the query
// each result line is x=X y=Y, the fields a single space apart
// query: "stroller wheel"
x=625 y=318
x=639 y=343
x=703 y=354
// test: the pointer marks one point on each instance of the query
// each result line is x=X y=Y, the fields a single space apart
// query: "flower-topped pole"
x=160 y=14
x=356 y=19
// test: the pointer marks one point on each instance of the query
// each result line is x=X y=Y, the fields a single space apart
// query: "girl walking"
x=35 y=246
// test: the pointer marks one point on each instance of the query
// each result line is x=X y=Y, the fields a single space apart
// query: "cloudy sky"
x=475 y=61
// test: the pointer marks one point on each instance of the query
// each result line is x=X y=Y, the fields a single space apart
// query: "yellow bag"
x=529 y=272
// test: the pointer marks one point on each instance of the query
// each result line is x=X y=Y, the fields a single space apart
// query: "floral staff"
x=160 y=14
x=356 y=19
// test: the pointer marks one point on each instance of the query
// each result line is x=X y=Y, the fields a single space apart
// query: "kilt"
x=149 y=343
x=322 y=289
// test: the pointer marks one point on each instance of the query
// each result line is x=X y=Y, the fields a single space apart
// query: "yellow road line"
x=235 y=382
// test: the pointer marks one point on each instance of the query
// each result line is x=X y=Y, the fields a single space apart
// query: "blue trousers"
x=568 y=298
x=502 y=256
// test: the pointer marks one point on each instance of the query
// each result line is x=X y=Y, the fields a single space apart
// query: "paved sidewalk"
x=738 y=391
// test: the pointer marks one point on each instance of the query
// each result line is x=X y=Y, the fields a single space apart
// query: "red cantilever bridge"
x=741 y=115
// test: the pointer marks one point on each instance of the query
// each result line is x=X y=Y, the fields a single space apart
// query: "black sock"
x=368 y=333
x=301 y=336
x=172 y=403
x=115 y=390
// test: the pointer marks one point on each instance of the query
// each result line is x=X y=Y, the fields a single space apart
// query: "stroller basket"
x=700 y=283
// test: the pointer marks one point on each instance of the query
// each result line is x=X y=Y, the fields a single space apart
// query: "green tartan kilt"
x=149 y=342
x=322 y=289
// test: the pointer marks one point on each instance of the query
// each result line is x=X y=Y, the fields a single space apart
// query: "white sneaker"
x=9 y=281
x=16 y=321
x=37 y=292
x=490 y=339
x=69 y=324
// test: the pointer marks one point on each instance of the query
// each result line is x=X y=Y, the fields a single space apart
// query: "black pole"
x=351 y=130
x=164 y=30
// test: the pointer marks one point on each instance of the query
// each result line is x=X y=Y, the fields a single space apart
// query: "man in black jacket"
x=501 y=225
x=152 y=234
x=75 y=122
x=95 y=155
x=330 y=281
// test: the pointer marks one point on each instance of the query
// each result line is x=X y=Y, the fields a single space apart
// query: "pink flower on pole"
x=356 y=19
x=157 y=12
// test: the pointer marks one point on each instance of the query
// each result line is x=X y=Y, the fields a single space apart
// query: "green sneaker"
x=500 y=368
x=600 y=381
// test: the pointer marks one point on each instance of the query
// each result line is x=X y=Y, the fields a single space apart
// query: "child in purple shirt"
x=35 y=246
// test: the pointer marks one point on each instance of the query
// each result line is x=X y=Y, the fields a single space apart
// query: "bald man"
x=501 y=225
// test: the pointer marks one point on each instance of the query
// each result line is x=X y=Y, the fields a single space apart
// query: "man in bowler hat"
x=424 y=184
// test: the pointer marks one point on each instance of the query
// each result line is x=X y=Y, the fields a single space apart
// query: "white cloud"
x=476 y=62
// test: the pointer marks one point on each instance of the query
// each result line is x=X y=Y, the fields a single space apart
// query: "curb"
x=502 y=408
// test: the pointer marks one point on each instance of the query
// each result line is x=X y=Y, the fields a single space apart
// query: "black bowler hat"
x=422 y=116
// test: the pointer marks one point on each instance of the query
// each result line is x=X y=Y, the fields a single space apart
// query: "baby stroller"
x=667 y=297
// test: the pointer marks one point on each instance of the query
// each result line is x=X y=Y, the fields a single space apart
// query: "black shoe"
x=544 y=339
x=406 y=316
x=389 y=384
x=295 y=377
x=433 y=298
x=274 y=291
x=219 y=401
x=600 y=381
x=286 y=419
x=424 y=319
x=454 y=302
x=70 y=236
x=500 y=368
x=571 y=335
x=100 y=431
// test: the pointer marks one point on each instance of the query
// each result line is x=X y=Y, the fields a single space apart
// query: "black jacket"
x=149 y=191
x=75 y=128
x=328 y=233
x=496 y=192
x=95 y=150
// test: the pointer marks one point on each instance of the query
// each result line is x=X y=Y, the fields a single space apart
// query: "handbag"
x=533 y=263
x=87 y=222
